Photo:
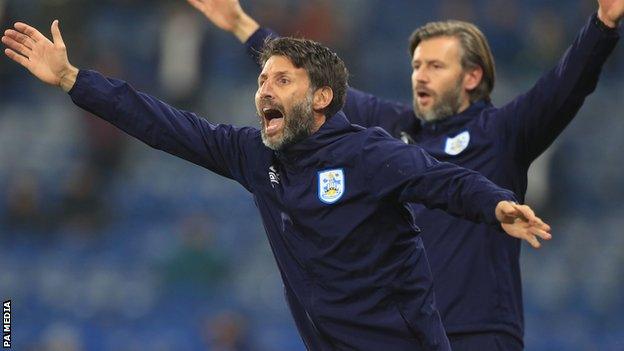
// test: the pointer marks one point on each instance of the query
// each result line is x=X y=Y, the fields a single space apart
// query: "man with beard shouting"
x=476 y=270
x=331 y=195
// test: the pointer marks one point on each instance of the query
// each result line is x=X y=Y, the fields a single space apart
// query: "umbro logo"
x=274 y=177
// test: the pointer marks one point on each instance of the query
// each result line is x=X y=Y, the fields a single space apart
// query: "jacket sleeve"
x=533 y=120
x=406 y=173
x=223 y=149
x=369 y=110
x=255 y=43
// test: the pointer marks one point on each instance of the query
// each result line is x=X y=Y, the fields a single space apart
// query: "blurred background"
x=106 y=244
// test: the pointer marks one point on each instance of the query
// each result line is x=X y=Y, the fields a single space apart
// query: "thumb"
x=56 y=33
x=506 y=212
x=508 y=209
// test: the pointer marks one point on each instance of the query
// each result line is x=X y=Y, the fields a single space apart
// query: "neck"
x=319 y=120
x=464 y=106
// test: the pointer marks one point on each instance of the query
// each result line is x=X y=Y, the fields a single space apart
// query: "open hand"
x=520 y=222
x=227 y=15
x=45 y=59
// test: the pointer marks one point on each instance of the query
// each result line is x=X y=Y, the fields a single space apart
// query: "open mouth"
x=274 y=120
x=423 y=96
x=271 y=113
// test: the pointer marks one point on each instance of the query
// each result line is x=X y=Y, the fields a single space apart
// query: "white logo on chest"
x=457 y=144
x=331 y=185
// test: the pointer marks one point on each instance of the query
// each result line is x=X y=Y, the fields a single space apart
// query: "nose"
x=419 y=75
x=265 y=91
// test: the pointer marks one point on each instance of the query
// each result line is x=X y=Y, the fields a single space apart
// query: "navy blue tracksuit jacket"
x=476 y=268
x=355 y=272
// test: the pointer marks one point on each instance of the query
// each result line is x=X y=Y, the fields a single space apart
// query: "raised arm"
x=360 y=107
x=406 y=173
x=533 y=120
x=220 y=148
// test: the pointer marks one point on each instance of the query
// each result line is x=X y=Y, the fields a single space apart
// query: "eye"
x=437 y=65
x=283 y=81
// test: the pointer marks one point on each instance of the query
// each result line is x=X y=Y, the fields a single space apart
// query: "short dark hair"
x=323 y=66
x=475 y=51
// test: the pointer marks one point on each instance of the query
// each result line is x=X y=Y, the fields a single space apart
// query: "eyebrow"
x=278 y=73
x=428 y=61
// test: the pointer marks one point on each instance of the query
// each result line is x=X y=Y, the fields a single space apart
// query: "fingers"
x=541 y=233
x=16 y=47
x=20 y=38
x=533 y=241
x=507 y=208
x=532 y=232
x=16 y=57
x=505 y=212
x=535 y=232
x=31 y=32
x=526 y=212
x=539 y=223
x=56 y=34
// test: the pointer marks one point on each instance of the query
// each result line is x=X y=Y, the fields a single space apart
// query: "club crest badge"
x=457 y=144
x=331 y=185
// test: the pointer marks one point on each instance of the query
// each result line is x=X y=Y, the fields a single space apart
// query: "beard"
x=298 y=124
x=447 y=104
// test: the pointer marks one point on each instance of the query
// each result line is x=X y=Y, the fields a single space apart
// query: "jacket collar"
x=333 y=128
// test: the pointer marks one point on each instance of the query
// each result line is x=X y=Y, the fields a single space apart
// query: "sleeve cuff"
x=75 y=90
x=490 y=215
x=597 y=23
x=255 y=43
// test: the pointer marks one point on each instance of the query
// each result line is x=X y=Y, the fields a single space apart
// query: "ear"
x=472 y=78
x=322 y=98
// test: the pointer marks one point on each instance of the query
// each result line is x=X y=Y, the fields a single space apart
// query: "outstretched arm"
x=406 y=173
x=533 y=120
x=220 y=148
